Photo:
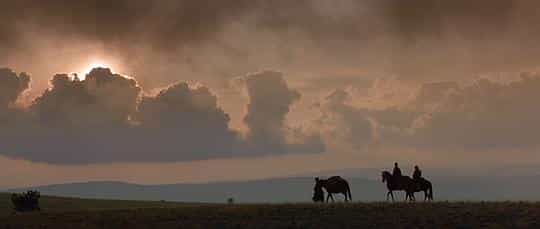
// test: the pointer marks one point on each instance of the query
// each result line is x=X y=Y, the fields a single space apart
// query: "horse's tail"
x=349 y=191
x=430 y=190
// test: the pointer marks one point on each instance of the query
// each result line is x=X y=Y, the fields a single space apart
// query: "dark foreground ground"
x=74 y=213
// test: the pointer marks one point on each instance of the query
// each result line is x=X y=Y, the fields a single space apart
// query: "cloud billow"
x=102 y=99
x=104 y=118
x=11 y=86
x=483 y=115
x=270 y=100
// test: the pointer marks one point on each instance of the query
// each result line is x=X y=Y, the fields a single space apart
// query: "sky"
x=196 y=91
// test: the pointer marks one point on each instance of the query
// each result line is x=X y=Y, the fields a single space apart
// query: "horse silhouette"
x=422 y=185
x=332 y=185
x=407 y=184
x=401 y=183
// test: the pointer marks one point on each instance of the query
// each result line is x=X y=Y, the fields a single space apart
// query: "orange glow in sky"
x=94 y=64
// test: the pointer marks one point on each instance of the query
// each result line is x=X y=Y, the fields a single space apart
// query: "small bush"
x=27 y=201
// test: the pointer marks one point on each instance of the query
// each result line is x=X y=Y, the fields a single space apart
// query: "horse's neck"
x=394 y=181
x=389 y=178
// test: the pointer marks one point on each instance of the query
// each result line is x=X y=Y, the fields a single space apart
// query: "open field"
x=79 y=213
x=60 y=204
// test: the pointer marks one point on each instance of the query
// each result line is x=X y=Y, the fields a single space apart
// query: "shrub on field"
x=27 y=201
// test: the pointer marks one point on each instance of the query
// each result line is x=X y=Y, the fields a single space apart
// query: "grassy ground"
x=76 y=213
x=61 y=204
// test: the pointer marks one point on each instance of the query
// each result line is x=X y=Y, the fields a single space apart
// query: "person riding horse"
x=395 y=181
x=396 y=173
x=417 y=174
x=417 y=177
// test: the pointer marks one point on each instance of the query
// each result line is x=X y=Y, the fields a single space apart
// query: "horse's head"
x=386 y=176
x=319 y=183
x=318 y=193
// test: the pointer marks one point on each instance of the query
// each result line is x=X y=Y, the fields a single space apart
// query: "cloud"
x=345 y=123
x=270 y=100
x=104 y=118
x=416 y=39
x=11 y=86
x=482 y=115
x=102 y=99
x=75 y=121
x=485 y=114
x=185 y=123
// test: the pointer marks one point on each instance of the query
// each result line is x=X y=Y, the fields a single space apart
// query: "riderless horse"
x=333 y=185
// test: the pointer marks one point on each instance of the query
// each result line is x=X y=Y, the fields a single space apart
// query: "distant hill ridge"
x=295 y=189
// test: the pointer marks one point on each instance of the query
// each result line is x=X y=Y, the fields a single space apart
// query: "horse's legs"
x=408 y=196
x=346 y=198
x=330 y=196
x=392 y=195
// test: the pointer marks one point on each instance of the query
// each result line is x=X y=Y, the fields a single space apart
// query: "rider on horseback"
x=417 y=177
x=396 y=173
x=417 y=174
x=396 y=182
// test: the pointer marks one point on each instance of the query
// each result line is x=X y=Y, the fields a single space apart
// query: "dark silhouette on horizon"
x=421 y=184
x=417 y=174
x=333 y=185
x=27 y=201
x=396 y=172
x=397 y=182
x=318 y=193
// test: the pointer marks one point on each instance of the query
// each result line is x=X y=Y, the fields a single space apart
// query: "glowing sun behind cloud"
x=91 y=64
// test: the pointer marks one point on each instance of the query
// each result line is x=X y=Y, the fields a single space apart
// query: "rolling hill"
x=292 y=190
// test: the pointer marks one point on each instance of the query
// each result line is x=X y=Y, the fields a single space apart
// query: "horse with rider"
x=395 y=181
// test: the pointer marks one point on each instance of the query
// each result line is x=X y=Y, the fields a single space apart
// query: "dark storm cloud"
x=471 y=19
x=103 y=118
x=463 y=38
x=121 y=20
x=414 y=39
